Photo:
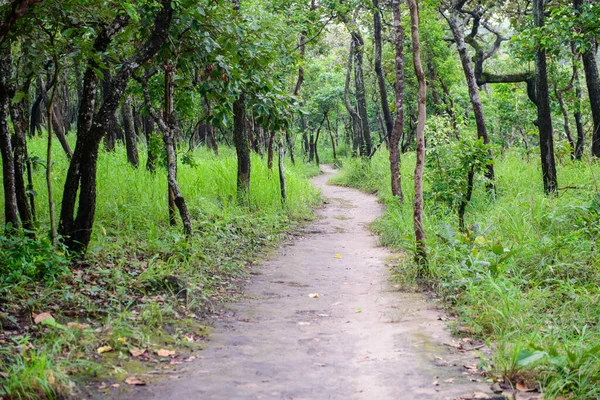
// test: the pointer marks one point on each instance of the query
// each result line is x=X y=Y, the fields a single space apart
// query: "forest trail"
x=361 y=338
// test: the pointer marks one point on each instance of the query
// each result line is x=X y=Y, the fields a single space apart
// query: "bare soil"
x=361 y=338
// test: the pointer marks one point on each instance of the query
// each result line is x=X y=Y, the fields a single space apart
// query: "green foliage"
x=448 y=163
x=24 y=258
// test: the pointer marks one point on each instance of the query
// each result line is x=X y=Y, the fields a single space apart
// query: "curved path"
x=359 y=339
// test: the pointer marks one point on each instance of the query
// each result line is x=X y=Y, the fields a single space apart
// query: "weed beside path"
x=134 y=304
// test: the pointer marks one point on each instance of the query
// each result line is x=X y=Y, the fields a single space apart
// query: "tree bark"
x=130 y=136
x=356 y=126
x=421 y=249
x=270 y=150
x=544 y=113
x=282 y=184
x=578 y=118
x=398 y=127
x=592 y=79
x=21 y=159
x=242 y=148
x=361 y=99
x=11 y=210
x=385 y=106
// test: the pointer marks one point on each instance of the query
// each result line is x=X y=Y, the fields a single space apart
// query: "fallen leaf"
x=338 y=255
x=77 y=325
x=467 y=339
x=358 y=310
x=451 y=380
x=480 y=395
x=524 y=388
x=471 y=367
x=42 y=317
x=122 y=339
x=313 y=295
x=134 y=351
x=51 y=379
x=435 y=383
x=165 y=353
x=115 y=385
x=104 y=349
x=134 y=380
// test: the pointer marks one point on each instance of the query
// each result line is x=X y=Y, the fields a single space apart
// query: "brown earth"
x=361 y=338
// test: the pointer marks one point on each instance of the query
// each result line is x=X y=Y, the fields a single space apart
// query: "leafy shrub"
x=35 y=259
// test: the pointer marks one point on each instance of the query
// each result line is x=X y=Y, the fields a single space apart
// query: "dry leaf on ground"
x=77 y=325
x=524 y=388
x=313 y=295
x=134 y=380
x=337 y=256
x=165 y=353
x=134 y=351
x=42 y=317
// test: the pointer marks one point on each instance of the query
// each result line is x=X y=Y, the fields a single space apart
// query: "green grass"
x=526 y=275
x=143 y=284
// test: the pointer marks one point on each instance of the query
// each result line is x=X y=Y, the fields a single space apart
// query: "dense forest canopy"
x=120 y=120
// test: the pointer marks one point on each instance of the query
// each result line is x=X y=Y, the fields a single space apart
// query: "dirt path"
x=360 y=339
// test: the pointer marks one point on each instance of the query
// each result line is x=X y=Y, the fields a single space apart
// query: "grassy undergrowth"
x=527 y=273
x=134 y=302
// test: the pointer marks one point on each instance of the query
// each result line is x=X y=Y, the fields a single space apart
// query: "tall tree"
x=385 y=106
x=593 y=85
x=544 y=113
x=398 y=127
x=421 y=249
x=11 y=210
x=92 y=126
x=472 y=86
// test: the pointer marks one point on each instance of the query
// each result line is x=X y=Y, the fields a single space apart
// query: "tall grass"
x=526 y=274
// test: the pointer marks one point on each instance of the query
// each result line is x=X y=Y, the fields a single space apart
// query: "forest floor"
x=322 y=320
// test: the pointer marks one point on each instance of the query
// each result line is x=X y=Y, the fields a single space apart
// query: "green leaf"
x=526 y=357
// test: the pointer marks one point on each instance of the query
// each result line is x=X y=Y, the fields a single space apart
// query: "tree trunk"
x=361 y=99
x=593 y=84
x=151 y=154
x=21 y=159
x=130 y=136
x=50 y=113
x=270 y=150
x=421 y=249
x=282 y=184
x=385 y=106
x=242 y=148
x=11 y=210
x=565 y=114
x=578 y=118
x=211 y=139
x=543 y=108
x=332 y=138
x=356 y=126
x=473 y=90
x=398 y=128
